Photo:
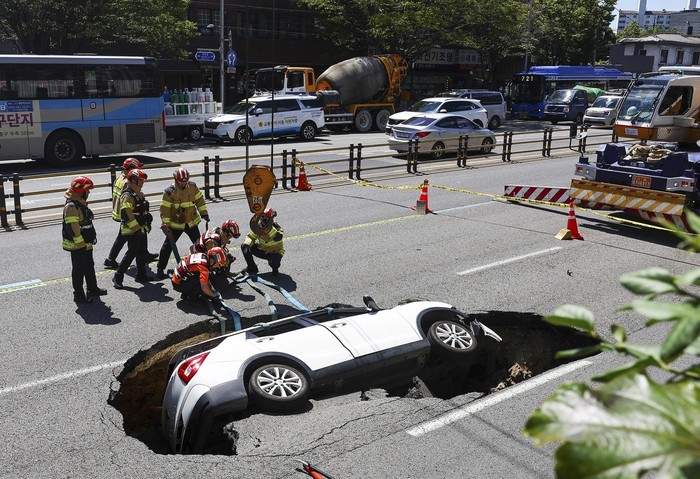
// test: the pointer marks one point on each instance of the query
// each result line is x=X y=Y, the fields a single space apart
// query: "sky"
x=669 y=5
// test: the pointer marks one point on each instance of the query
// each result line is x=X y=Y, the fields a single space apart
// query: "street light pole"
x=222 y=75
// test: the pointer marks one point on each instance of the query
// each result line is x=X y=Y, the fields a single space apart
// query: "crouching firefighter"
x=79 y=237
x=192 y=277
x=266 y=244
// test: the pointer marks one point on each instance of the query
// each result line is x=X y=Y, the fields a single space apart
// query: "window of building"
x=696 y=58
x=642 y=53
x=679 y=57
x=664 y=57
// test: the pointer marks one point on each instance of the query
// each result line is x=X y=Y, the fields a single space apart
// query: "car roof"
x=280 y=97
x=436 y=116
x=445 y=98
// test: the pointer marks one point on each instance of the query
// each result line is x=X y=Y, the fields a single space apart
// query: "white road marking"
x=495 y=398
x=510 y=260
x=465 y=207
x=61 y=377
x=32 y=283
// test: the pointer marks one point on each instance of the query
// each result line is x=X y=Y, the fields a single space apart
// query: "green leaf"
x=649 y=281
x=694 y=347
x=578 y=352
x=683 y=333
x=690 y=278
x=572 y=316
x=619 y=333
x=635 y=367
x=658 y=311
x=621 y=429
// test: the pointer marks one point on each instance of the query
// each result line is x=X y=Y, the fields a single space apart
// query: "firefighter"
x=117 y=190
x=192 y=277
x=219 y=236
x=79 y=237
x=181 y=211
x=135 y=225
x=267 y=245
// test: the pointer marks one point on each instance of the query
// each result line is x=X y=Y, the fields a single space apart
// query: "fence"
x=357 y=161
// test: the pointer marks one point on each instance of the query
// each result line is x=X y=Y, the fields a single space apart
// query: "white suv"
x=603 y=111
x=493 y=101
x=294 y=115
x=470 y=109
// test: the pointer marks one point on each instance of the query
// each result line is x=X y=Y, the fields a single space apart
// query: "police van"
x=285 y=115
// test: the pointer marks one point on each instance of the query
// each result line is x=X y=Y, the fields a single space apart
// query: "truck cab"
x=566 y=105
x=284 y=80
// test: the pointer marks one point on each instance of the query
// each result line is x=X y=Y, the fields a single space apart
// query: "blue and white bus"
x=63 y=107
x=527 y=90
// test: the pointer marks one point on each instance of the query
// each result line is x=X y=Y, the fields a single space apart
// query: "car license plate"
x=641 y=181
x=523 y=115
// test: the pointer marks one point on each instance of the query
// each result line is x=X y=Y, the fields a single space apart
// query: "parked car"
x=566 y=105
x=467 y=108
x=603 y=111
x=438 y=134
x=276 y=365
x=294 y=115
x=493 y=101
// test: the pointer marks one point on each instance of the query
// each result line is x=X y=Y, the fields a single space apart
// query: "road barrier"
x=221 y=183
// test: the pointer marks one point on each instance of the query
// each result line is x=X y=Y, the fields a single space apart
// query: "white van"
x=493 y=101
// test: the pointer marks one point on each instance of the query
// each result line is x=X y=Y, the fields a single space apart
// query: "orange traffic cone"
x=422 y=203
x=571 y=230
x=303 y=183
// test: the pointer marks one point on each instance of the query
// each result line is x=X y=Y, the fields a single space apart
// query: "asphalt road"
x=60 y=361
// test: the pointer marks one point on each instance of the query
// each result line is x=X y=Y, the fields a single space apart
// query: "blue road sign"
x=203 y=56
x=231 y=58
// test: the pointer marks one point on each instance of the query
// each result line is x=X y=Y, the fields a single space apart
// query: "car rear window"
x=419 y=121
x=488 y=98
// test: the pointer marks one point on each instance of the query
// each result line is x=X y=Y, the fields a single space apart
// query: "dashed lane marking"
x=509 y=260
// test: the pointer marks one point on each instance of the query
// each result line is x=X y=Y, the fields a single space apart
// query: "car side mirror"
x=258 y=111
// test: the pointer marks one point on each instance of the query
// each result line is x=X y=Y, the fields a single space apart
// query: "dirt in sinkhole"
x=528 y=348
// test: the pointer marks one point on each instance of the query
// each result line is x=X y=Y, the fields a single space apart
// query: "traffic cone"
x=571 y=230
x=422 y=203
x=303 y=183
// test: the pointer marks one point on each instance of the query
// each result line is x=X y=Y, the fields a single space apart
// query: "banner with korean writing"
x=19 y=119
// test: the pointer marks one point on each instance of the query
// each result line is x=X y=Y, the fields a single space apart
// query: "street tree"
x=152 y=27
x=633 y=30
x=570 y=32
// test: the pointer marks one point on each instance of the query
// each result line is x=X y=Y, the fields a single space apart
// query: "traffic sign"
x=231 y=58
x=204 y=56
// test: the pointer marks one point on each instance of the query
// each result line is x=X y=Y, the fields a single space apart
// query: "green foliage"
x=152 y=27
x=630 y=425
x=570 y=32
x=633 y=30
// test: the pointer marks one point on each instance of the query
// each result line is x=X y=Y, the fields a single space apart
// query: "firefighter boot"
x=118 y=280
x=80 y=298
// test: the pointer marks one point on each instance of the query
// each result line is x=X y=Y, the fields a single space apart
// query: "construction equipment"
x=359 y=92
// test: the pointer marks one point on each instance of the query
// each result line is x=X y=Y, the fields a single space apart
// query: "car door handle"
x=339 y=324
x=266 y=338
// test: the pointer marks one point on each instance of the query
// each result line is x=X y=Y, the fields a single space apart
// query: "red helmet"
x=135 y=175
x=131 y=164
x=80 y=184
x=219 y=256
x=270 y=213
x=181 y=175
x=231 y=228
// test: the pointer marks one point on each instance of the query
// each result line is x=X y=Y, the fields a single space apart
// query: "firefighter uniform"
x=79 y=236
x=181 y=210
x=135 y=225
x=192 y=277
x=267 y=245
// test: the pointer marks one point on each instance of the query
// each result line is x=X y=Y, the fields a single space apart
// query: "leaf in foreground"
x=622 y=429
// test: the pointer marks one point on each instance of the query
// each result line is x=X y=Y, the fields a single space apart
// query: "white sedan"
x=437 y=134
x=275 y=365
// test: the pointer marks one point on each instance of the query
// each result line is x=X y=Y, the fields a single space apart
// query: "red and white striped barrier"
x=539 y=193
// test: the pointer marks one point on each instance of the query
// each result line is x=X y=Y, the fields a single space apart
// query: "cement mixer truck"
x=359 y=92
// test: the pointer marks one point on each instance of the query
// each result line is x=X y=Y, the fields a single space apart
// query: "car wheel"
x=381 y=118
x=195 y=133
x=278 y=387
x=242 y=135
x=487 y=145
x=64 y=148
x=308 y=131
x=451 y=339
x=579 y=119
x=495 y=122
x=438 y=150
x=363 y=121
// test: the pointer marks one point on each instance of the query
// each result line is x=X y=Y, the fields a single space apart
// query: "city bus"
x=528 y=90
x=60 y=108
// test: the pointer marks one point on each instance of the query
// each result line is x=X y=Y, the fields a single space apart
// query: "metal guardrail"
x=214 y=177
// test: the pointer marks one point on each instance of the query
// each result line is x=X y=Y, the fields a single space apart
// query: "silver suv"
x=493 y=101
x=470 y=109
